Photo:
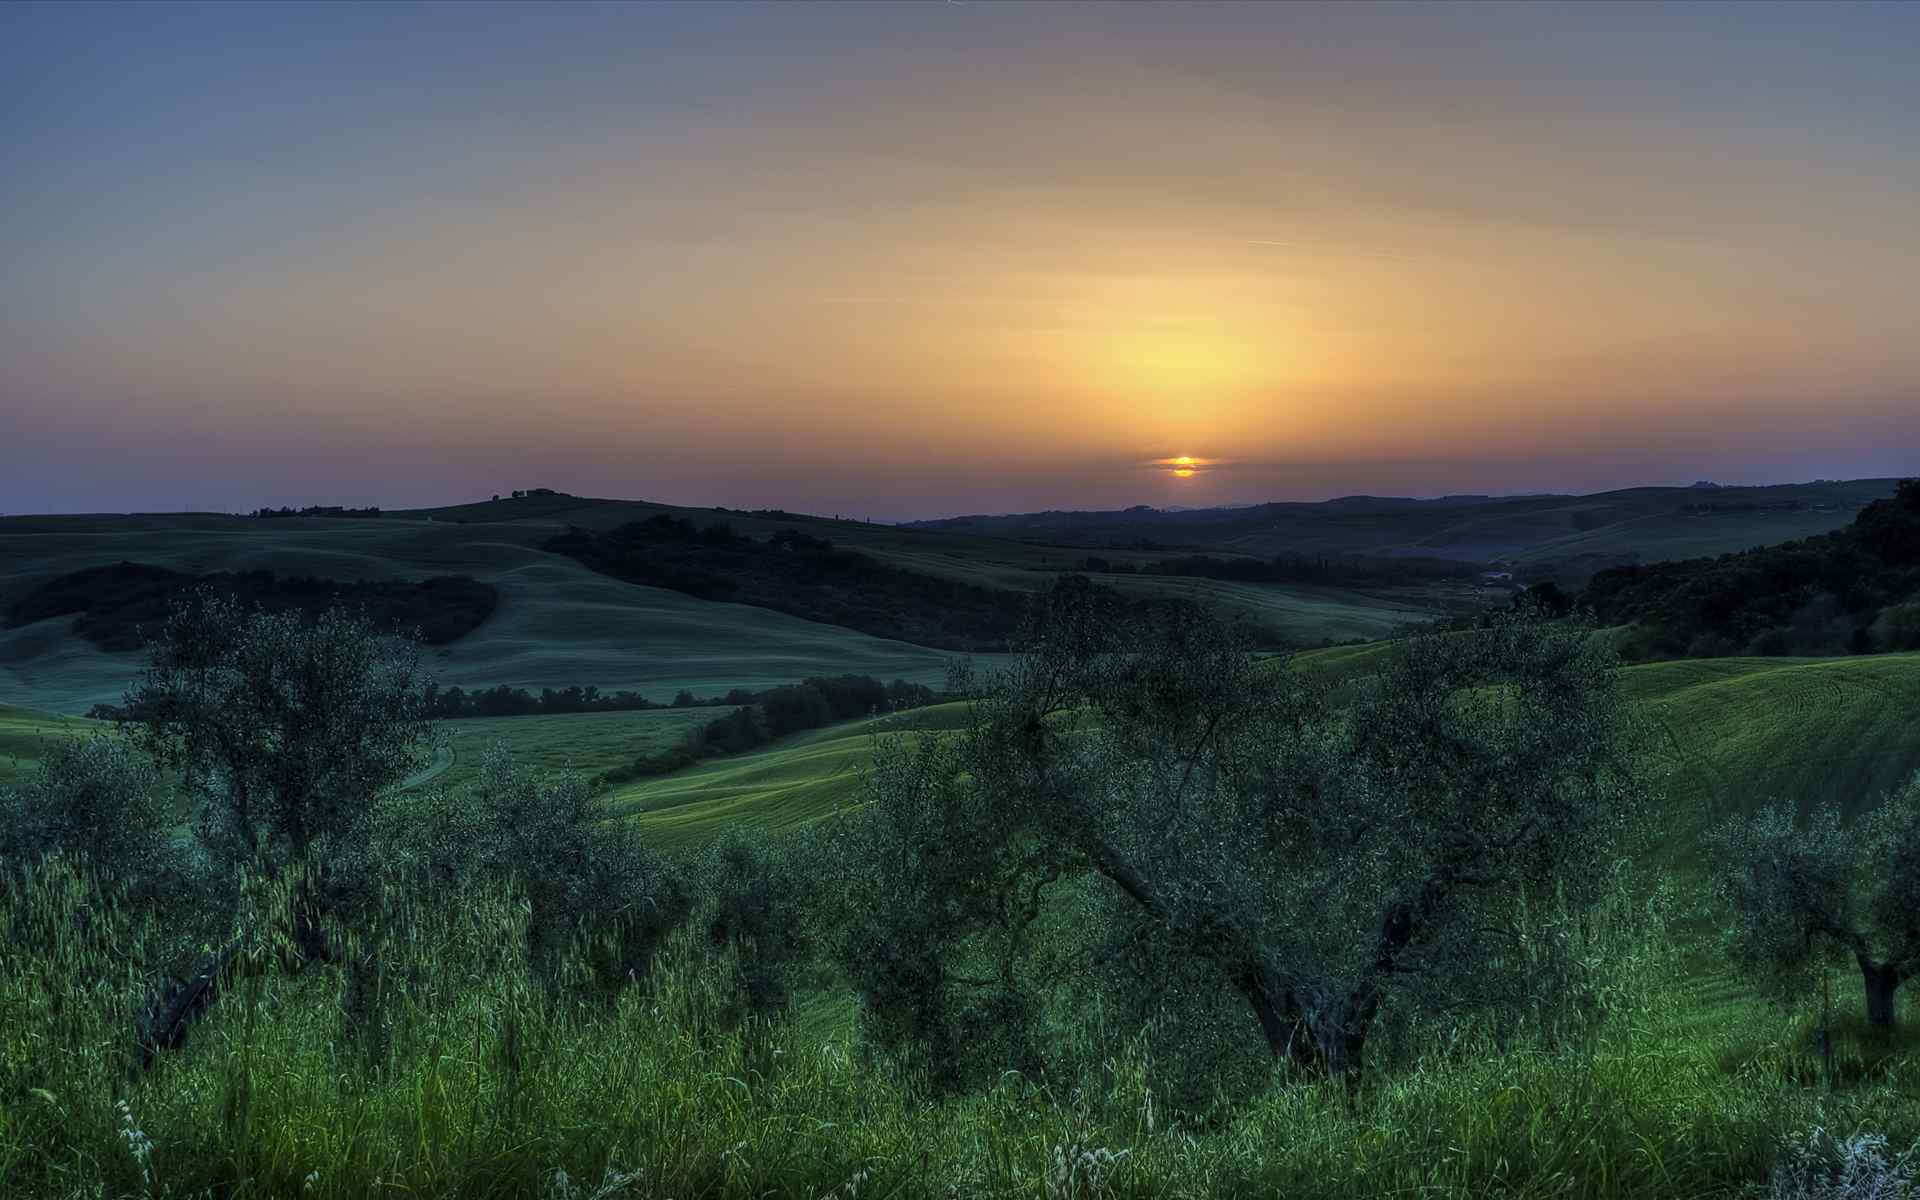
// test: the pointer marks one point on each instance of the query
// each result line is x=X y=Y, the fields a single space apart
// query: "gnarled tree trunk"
x=1882 y=980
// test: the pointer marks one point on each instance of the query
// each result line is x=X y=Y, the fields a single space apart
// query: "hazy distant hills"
x=1564 y=536
x=559 y=624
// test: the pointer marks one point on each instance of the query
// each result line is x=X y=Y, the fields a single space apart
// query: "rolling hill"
x=1299 y=615
x=557 y=624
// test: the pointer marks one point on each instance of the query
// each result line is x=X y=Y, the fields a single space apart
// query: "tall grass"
x=450 y=1067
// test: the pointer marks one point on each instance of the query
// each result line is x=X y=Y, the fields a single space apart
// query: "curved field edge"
x=557 y=625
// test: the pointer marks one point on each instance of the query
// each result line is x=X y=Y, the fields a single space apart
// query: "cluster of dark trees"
x=1293 y=568
x=801 y=575
x=455 y=703
x=762 y=717
x=315 y=510
x=116 y=605
x=1852 y=590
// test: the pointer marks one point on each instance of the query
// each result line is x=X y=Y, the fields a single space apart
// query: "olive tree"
x=96 y=799
x=1140 y=815
x=286 y=727
x=1803 y=897
x=584 y=876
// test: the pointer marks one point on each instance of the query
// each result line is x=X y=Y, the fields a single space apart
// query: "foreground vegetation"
x=484 y=1082
x=1024 y=963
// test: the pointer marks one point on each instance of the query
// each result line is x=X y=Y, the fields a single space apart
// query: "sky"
x=919 y=259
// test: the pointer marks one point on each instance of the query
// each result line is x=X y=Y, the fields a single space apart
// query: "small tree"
x=1142 y=816
x=1804 y=897
x=547 y=837
x=96 y=800
x=288 y=728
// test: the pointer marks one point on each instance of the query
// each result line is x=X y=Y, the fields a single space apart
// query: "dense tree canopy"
x=1142 y=819
x=1821 y=595
x=120 y=605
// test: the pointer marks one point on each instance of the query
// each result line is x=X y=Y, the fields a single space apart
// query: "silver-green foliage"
x=1804 y=896
x=544 y=835
x=99 y=800
x=1143 y=823
x=286 y=727
x=1825 y=1167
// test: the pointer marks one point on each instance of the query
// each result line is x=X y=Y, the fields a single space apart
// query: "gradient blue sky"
x=909 y=260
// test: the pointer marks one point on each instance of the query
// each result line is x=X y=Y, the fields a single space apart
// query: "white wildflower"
x=1823 y=1167
x=139 y=1145
x=1081 y=1171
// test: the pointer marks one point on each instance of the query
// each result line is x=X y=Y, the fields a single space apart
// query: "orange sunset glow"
x=1017 y=255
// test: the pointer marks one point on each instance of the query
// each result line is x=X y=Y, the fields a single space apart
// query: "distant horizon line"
x=1699 y=485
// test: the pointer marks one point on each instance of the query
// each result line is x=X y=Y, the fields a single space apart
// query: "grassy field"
x=800 y=779
x=27 y=735
x=1749 y=732
x=560 y=625
x=583 y=743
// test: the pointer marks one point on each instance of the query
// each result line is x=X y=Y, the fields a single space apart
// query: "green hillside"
x=798 y=780
x=1745 y=732
x=584 y=743
x=1736 y=734
x=558 y=624
x=27 y=735
x=1283 y=613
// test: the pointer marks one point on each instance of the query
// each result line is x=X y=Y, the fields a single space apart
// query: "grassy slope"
x=27 y=735
x=558 y=623
x=584 y=743
x=1739 y=733
x=1747 y=732
x=798 y=780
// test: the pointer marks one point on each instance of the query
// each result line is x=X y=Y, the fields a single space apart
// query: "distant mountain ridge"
x=1546 y=534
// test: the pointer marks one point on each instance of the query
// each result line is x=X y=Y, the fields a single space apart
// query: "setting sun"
x=1184 y=466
